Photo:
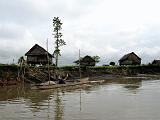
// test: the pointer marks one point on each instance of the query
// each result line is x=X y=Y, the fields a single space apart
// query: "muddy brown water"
x=122 y=100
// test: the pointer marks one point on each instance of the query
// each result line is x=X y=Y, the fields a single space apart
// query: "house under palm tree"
x=86 y=61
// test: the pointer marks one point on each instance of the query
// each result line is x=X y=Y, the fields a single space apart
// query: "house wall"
x=88 y=63
x=130 y=62
x=38 y=60
x=156 y=62
x=131 y=59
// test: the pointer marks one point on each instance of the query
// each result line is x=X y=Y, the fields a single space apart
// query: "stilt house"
x=38 y=55
x=130 y=59
x=87 y=61
x=156 y=62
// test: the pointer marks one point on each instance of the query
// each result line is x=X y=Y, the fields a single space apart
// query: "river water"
x=135 y=100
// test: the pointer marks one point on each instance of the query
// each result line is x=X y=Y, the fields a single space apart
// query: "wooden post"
x=79 y=65
x=48 y=63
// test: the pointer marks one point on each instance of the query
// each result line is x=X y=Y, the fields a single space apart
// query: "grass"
x=13 y=67
x=70 y=68
x=7 y=66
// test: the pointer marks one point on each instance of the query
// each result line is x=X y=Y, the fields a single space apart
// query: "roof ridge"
x=36 y=46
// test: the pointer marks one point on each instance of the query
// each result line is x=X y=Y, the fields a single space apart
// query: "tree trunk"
x=56 y=59
x=57 y=46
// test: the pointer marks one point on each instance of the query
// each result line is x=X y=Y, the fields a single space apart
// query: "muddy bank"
x=12 y=74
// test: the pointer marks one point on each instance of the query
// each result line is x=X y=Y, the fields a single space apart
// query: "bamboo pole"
x=79 y=64
x=48 y=63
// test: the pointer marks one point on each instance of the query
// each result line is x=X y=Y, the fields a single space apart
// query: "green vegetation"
x=7 y=66
x=117 y=70
x=70 y=68
x=96 y=58
x=11 y=71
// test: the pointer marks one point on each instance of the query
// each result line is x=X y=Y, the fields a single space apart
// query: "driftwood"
x=37 y=75
x=66 y=77
x=62 y=81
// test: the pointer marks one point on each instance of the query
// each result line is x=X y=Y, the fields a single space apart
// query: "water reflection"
x=39 y=100
x=11 y=92
x=58 y=107
x=132 y=85
x=99 y=101
x=129 y=83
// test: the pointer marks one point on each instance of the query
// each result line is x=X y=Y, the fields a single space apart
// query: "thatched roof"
x=130 y=56
x=87 y=59
x=37 y=50
x=156 y=62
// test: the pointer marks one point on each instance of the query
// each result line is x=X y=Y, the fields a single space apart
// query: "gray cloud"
x=96 y=27
x=15 y=40
x=11 y=31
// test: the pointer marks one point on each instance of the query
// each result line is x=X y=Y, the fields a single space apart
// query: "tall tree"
x=57 y=35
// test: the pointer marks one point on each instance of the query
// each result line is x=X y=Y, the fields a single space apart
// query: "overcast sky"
x=107 y=28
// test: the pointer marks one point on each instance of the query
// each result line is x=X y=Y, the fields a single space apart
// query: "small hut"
x=156 y=62
x=130 y=59
x=87 y=61
x=38 y=55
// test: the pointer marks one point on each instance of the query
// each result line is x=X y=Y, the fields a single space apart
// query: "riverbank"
x=13 y=74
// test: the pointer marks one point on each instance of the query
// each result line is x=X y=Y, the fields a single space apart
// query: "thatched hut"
x=130 y=59
x=87 y=61
x=156 y=62
x=38 y=55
